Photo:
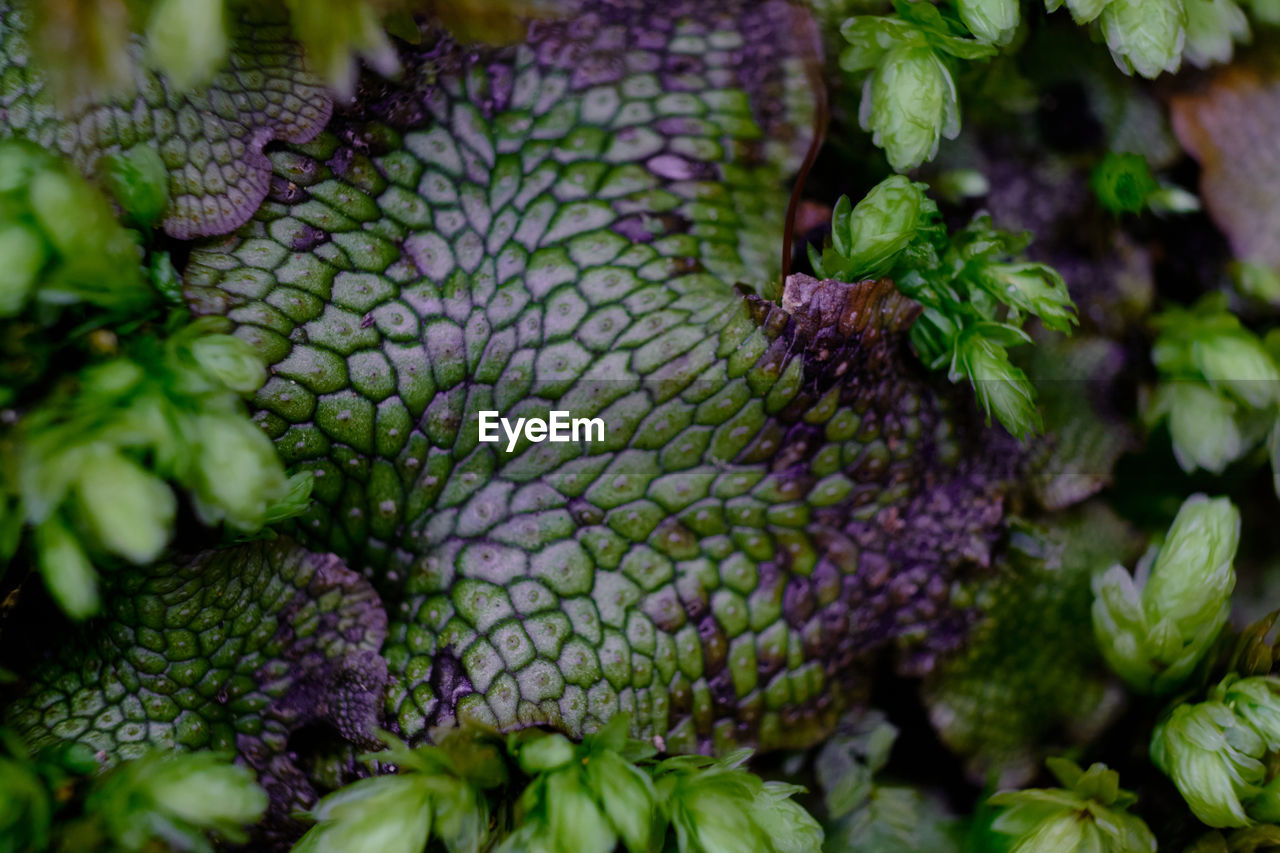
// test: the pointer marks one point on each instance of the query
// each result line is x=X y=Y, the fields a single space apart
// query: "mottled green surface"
x=559 y=227
x=234 y=649
x=781 y=492
x=211 y=139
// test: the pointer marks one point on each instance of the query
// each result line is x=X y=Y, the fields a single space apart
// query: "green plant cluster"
x=912 y=56
x=1086 y=815
x=1218 y=388
x=116 y=397
x=537 y=791
x=976 y=292
x=161 y=801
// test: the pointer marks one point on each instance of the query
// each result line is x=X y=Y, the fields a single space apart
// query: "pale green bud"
x=544 y=752
x=1212 y=28
x=385 y=814
x=908 y=104
x=230 y=361
x=129 y=510
x=707 y=801
x=187 y=40
x=296 y=499
x=1192 y=577
x=1144 y=35
x=1256 y=701
x=205 y=790
x=1213 y=758
x=139 y=182
x=574 y=818
x=1002 y=388
x=67 y=572
x=871 y=36
x=792 y=829
x=1034 y=288
x=626 y=795
x=1086 y=815
x=24 y=252
x=1238 y=365
x=1155 y=628
x=73 y=217
x=1202 y=425
x=238 y=476
x=881 y=225
x=993 y=21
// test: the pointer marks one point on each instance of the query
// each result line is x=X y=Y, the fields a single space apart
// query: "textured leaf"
x=211 y=140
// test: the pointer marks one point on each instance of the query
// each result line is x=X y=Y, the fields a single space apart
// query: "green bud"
x=881 y=225
x=706 y=801
x=792 y=829
x=67 y=572
x=626 y=795
x=1213 y=758
x=908 y=104
x=139 y=182
x=1256 y=701
x=237 y=476
x=296 y=499
x=129 y=510
x=1144 y=35
x=871 y=36
x=1212 y=28
x=993 y=21
x=1239 y=365
x=230 y=361
x=1002 y=389
x=1155 y=628
x=205 y=790
x=385 y=814
x=575 y=820
x=187 y=40
x=544 y=751
x=1086 y=815
x=75 y=219
x=1034 y=288
x=24 y=252
x=1202 y=425
x=172 y=800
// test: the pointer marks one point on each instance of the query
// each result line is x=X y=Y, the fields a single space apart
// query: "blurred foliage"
x=161 y=801
x=82 y=45
x=116 y=396
x=535 y=790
